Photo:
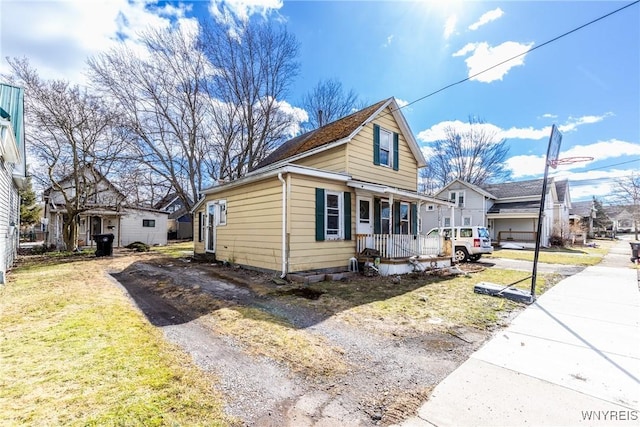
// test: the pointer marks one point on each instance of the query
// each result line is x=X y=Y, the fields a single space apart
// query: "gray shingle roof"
x=581 y=208
x=528 y=206
x=506 y=190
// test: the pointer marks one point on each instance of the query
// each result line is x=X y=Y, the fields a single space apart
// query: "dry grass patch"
x=260 y=332
x=75 y=352
x=266 y=335
x=417 y=303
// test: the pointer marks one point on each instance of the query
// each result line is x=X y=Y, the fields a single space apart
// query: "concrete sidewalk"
x=571 y=358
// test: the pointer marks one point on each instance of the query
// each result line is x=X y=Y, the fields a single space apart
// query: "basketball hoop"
x=569 y=160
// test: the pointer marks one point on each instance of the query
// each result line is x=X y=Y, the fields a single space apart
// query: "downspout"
x=284 y=226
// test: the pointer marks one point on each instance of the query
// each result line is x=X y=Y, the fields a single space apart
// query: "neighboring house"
x=179 y=224
x=324 y=197
x=106 y=213
x=12 y=172
x=471 y=205
x=581 y=217
x=509 y=210
x=622 y=218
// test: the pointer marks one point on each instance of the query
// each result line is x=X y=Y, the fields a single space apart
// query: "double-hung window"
x=386 y=148
x=457 y=197
x=333 y=213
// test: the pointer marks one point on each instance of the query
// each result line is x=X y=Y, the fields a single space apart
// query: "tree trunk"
x=70 y=233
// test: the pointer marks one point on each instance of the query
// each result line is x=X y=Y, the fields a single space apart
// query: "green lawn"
x=577 y=255
x=74 y=351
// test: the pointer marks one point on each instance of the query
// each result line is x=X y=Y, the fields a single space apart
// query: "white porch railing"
x=400 y=245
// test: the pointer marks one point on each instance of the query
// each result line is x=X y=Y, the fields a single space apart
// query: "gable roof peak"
x=341 y=130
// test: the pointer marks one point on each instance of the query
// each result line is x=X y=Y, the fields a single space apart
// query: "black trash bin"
x=635 y=251
x=104 y=244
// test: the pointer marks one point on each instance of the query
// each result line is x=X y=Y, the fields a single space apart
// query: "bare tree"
x=627 y=193
x=474 y=154
x=255 y=64
x=70 y=132
x=163 y=103
x=328 y=102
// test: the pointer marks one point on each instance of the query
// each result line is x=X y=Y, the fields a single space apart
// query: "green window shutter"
x=396 y=217
x=414 y=218
x=377 y=220
x=376 y=144
x=396 y=160
x=319 y=214
x=347 y=216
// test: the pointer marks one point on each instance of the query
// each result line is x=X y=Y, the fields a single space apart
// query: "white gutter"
x=284 y=226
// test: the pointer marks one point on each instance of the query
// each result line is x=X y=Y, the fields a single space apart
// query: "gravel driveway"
x=390 y=376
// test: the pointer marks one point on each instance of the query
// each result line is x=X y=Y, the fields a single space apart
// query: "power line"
x=521 y=54
x=599 y=167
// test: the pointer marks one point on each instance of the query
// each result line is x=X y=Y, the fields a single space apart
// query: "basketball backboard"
x=554 y=147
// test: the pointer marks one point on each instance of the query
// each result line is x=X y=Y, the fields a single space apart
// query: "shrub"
x=556 y=240
x=138 y=247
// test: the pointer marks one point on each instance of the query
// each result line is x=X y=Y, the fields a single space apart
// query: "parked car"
x=469 y=243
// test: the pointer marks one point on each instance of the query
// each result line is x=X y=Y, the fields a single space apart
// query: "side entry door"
x=210 y=226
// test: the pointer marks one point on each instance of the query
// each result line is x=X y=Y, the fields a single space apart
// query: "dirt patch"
x=383 y=375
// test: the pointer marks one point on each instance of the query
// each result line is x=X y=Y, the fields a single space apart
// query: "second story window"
x=457 y=197
x=386 y=152
x=385 y=148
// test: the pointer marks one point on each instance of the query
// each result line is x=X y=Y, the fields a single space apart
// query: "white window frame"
x=446 y=221
x=149 y=221
x=339 y=232
x=430 y=208
x=361 y=219
x=466 y=221
x=456 y=197
x=388 y=135
x=222 y=212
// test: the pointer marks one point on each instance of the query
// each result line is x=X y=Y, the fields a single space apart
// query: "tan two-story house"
x=324 y=197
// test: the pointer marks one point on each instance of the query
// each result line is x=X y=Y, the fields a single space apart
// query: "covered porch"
x=388 y=224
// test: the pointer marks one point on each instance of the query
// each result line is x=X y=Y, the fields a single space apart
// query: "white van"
x=469 y=242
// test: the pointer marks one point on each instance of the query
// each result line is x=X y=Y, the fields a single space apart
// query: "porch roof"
x=404 y=194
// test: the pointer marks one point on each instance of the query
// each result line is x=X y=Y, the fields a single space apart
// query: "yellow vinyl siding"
x=333 y=160
x=253 y=233
x=198 y=247
x=360 y=157
x=305 y=252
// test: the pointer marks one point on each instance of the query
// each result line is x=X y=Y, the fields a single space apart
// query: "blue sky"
x=587 y=83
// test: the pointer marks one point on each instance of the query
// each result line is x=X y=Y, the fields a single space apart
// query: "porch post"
x=390 y=230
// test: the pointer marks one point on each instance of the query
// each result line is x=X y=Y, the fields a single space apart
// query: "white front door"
x=210 y=227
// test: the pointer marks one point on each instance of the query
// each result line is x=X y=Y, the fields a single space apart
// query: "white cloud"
x=586 y=185
x=57 y=37
x=573 y=122
x=531 y=165
x=298 y=116
x=388 y=42
x=549 y=116
x=450 y=26
x=603 y=150
x=492 y=15
x=437 y=131
x=401 y=102
x=226 y=10
x=485 y=57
